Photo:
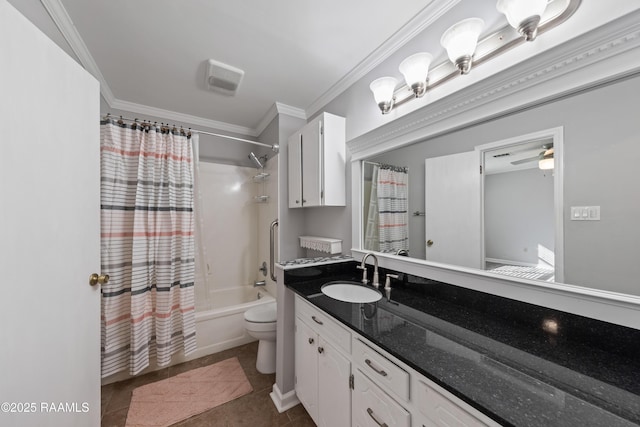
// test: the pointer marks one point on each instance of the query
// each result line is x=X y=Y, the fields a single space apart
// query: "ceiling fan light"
x=383 y=89
x=460 y=41
x=547 y=161
x=523 y=15
x=415 y=69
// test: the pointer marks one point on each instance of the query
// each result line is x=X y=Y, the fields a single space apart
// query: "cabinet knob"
x=320 y=350
x=310 y=340
x=297 y=201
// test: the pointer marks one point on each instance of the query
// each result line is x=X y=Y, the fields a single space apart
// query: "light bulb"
x=415 y=69
x=460 y=41
x=523 y=15
x=383 y=89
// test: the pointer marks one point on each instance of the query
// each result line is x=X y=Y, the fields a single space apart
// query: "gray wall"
x=518 y=215
x=601 y=155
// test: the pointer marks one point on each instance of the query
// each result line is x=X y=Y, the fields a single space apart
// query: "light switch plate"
x=585 y=213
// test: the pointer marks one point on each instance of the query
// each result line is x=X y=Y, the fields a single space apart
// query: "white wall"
x=518 y=215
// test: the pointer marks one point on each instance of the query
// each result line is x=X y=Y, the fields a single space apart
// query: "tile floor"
x=254 y=409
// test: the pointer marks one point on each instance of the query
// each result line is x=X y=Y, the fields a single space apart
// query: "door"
x=452 y=205
x=312 y=159
x=49 y=231
x=306 y=367
x=295 y=170
x=334 y=394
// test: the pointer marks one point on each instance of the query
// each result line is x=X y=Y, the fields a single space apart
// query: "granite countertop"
x=521 y=364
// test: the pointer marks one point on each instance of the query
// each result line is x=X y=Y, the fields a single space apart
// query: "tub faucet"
x=363 y=267
x=259 y=283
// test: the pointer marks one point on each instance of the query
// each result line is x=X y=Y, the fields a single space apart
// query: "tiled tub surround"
x=521 y=364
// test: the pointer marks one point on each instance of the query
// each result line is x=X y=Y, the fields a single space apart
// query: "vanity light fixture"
x=415 y=69
x=383 y=89
x=464 y=48
x=523 y=15
x=546 y=161
x=460 y=41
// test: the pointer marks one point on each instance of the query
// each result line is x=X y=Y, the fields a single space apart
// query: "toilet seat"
x=266 y=313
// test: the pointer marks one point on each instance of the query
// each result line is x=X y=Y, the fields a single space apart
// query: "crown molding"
x=180 y=117
x=278 y=108
x=605 y=54
x=61 y=18
x=417 y=24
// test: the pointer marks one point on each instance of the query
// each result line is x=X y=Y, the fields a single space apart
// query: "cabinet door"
x=312 y=158
x=334 y=394
x=372 y=407
x=306 y=368
x=295 y=170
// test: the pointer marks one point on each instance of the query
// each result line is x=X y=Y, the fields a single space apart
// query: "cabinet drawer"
x=372 y=407
x=324 y=325
x=441 y=410
x=381 y=370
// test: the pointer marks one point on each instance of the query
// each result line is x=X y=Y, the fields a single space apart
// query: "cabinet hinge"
x=351 y=385
x=322 y=194
x=321 y=130
x=480 y=169
x=295 y=379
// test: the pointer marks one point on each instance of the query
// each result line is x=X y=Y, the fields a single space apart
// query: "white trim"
x=64 y=23
x=601 y=55
x=613 y=307
x=180 y=117
x=59 y=15
x=417 y=24
x=285 y=401
x=278 y=108
x=557 y=135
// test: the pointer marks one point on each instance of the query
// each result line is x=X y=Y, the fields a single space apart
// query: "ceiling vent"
x=223 y=78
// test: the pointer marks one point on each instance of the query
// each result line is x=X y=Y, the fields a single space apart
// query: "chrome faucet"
x=363 y=267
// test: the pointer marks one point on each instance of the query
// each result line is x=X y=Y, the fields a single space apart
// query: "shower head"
x=257 y=161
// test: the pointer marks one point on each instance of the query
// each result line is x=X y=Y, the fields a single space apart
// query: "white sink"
x=351 y=292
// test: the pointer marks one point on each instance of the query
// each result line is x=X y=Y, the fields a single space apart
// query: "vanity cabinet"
x=322 y=369
x=316 y=163
x=344 y=379
x=372 y=407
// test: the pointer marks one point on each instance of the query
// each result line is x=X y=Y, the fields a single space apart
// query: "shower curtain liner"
x=147 y=245
x=393 y=208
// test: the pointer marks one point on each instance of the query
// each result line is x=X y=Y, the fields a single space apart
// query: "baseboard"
x=283 y=402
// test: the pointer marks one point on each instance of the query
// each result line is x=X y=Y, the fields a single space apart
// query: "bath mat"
x=177 y=398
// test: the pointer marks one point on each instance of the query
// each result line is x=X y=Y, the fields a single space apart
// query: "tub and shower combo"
x=222 y=327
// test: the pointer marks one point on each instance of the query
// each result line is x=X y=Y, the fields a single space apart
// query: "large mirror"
x=558 y=199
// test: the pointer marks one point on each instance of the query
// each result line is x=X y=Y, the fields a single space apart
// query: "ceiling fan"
x=544 y=159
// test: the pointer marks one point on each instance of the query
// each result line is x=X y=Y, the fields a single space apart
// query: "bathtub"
x=222 y=327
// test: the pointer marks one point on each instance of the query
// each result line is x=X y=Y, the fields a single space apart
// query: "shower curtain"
x=393 y=233
x=147 y=245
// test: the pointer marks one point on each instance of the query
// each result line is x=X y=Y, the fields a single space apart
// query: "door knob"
x=429 y=243
x=96 y=278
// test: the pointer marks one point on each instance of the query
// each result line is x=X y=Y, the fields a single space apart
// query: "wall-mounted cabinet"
x=317 y=163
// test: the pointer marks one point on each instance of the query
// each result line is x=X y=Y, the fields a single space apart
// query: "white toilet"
x=260 y=323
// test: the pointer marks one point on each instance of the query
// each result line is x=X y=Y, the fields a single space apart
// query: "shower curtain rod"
x=275 y=148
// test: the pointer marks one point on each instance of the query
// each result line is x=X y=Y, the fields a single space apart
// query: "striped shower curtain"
x=147 y=246
x=393 y=208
